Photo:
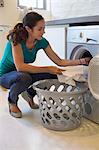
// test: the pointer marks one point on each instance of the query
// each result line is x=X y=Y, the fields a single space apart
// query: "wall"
x=74 y=8
x=9 y=13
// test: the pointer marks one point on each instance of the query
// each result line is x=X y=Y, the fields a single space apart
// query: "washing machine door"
x=80 y=51
x=91 y=105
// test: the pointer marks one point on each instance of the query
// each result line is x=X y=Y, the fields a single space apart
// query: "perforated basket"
x=60 y=104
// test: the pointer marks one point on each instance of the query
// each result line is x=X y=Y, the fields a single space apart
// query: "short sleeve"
x=43 y=43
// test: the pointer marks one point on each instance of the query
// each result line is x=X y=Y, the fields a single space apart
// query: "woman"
x=16 y=73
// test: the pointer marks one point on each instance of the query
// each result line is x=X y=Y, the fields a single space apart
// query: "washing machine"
x=83 y=41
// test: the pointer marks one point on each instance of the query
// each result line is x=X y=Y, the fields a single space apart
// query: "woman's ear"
x=28 y=29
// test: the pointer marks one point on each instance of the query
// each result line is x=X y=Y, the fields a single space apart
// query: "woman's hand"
x=55 y=70
x=85 y=61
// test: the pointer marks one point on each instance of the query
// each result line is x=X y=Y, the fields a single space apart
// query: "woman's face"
x=38 y=31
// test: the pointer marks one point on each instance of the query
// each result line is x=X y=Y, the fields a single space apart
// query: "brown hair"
x=19 y=32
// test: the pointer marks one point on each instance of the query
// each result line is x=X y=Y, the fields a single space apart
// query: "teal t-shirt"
x=7 y=62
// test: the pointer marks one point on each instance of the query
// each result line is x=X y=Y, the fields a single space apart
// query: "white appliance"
x=56 y=35
x=83 y=41
x=93 y=76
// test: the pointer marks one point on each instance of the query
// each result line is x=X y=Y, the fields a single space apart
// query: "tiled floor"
x=27 y=133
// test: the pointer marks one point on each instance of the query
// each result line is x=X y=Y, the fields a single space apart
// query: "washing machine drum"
x=93 y=76
x=80 y=51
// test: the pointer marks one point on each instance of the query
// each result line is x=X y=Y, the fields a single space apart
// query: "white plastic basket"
x=60 y=104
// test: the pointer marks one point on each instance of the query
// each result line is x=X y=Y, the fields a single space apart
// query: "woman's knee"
x=22 y=84
x=8 y=79
x=3 y=83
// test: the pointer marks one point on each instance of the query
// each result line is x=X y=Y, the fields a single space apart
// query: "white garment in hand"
x=74 y=73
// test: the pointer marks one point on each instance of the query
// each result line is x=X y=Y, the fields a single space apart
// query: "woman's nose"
x=42 y=32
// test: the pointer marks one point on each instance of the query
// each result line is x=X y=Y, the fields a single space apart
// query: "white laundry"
x=74 y=73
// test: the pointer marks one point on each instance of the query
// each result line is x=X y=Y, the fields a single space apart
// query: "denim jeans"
x=18 y=82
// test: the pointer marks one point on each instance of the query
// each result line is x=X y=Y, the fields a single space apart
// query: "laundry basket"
x=60 y=104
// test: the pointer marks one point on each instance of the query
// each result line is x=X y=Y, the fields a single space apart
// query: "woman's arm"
x=82 y=61
x=63 y=62
x=21 y=66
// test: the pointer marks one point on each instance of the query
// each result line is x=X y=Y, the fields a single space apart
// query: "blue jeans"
x=18 y=82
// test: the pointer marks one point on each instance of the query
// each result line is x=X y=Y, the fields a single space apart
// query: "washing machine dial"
x=81 y=35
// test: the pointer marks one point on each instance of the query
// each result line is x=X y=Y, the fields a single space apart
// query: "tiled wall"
x=74 y=8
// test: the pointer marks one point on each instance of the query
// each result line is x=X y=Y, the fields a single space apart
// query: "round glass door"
x=80 y=51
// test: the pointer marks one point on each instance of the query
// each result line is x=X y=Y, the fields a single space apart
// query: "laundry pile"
x=74 y=73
